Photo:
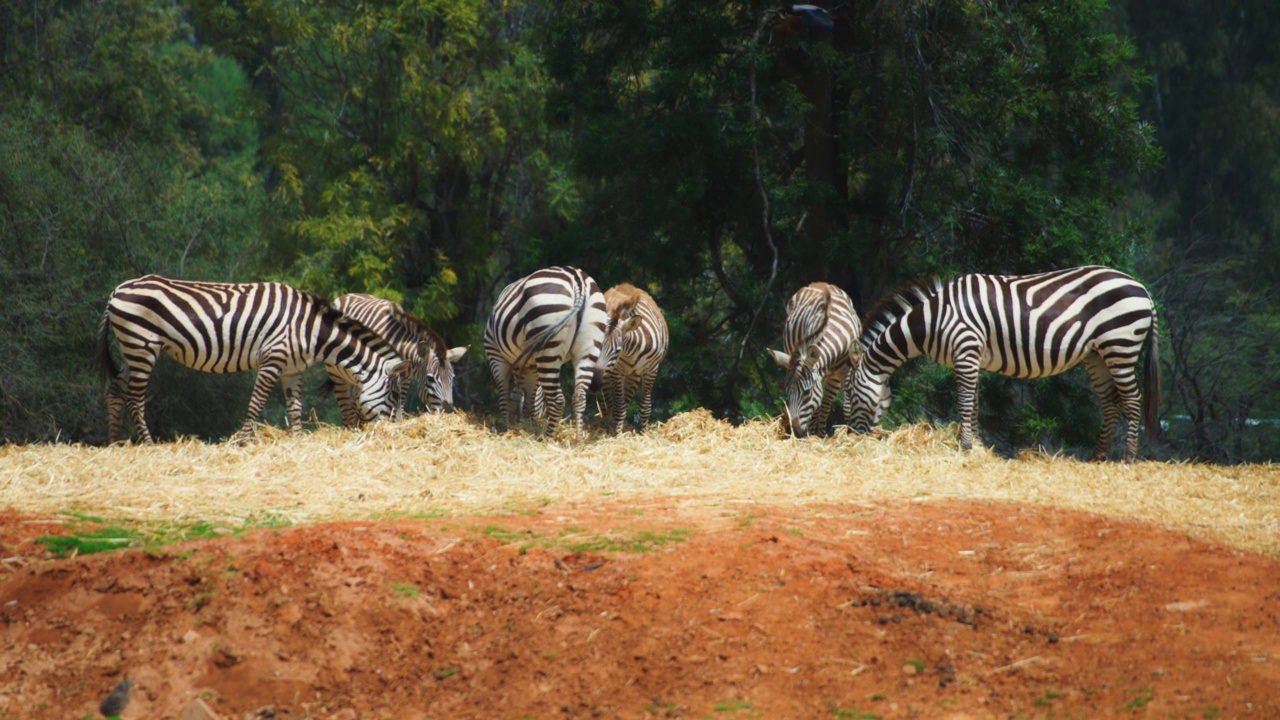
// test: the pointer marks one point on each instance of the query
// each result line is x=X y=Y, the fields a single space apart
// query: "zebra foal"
x=635 y=344
x=540 y=322
x=1023 y=326
x=819 y=340
x=231 y=327
x=429 y=359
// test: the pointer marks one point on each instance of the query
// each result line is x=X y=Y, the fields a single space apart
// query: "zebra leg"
x=967 y=398
x=292 y=386
x=551 y=402
x=139 y=363
x=830 y=386
x=346 y=403
x=617 y=385
x=1105 y=388
x=535 y=401
x=506 y=390
x=117 y=391
x=582 y=382
x=262 y=386
x=1127 y=398
x=646 y=399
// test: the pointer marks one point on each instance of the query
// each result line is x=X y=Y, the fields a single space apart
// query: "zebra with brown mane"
x=635 y=344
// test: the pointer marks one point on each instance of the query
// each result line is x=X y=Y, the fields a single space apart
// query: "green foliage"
x=1214 y=101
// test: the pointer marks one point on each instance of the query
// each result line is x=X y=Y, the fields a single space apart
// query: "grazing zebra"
x=230 y=327
x=425 y=352
x=1029 y=326
x=635 y=344
x=540 y=322
x=820 y=337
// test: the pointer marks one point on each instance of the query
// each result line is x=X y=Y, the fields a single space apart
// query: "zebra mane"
x=627 y=297
x=895 y=304
x=334 y=315
x=421 y=327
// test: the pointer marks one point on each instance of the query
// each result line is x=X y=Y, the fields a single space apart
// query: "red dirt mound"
x=649 y=610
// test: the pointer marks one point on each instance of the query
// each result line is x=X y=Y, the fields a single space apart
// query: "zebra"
x=635 y=344
x=1028 y=326
x=540 y=322
x=820 y=340
x=231 y=327
x=430 y=360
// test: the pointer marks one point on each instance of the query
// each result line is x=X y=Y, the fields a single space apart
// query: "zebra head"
x=379 y=391
x=621 y=322
x=435 y=376
x=803 y=387
x=867 y=397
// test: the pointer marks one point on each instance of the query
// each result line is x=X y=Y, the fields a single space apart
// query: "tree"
x=737 y=152
x=119 y=156
x=1214 y=100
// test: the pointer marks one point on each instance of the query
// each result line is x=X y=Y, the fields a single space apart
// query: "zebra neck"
x=901 y=341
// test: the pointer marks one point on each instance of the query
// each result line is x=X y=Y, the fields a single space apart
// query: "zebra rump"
x=231 y=327
x=1028 y=326
x=550 y=317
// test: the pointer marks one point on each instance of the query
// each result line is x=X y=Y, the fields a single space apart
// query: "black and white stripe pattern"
x=540 y=322
x=228 y=327
x=430 y=361
x=635 y=344
x=820 y=335
x=1028 y=326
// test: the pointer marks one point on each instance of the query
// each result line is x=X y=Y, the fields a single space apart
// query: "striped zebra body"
x=820 y=336
x=230 y=327
x=540 y=322
x=429 y=360
x=1029 y=326
x=635 y=344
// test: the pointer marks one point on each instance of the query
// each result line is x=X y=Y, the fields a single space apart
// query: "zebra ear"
x=397 y=367
x=455 y=354
x=632 y=323
x=781 y=358
x=811 y=357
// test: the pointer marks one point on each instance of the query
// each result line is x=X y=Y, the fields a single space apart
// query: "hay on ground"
x=434 y=464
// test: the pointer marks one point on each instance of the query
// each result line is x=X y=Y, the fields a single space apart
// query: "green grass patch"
x=1140 y=701
x=734 y=707
x=90 y=534
x=405 y=590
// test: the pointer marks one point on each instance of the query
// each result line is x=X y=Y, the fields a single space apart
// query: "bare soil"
x=652 y=609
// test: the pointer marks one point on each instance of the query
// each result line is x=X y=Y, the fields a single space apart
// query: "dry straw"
x=452 y=464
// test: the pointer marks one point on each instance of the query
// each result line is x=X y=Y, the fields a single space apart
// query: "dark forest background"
x=718 y=154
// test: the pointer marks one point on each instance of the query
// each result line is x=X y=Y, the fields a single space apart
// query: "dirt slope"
x=897 y=610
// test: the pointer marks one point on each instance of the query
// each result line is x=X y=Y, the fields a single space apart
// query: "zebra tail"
x=104 y=363
x=1151 y=398
x=539 y=341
